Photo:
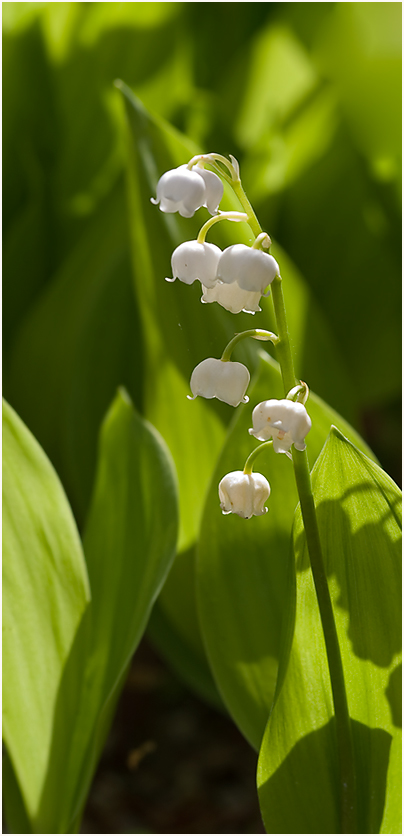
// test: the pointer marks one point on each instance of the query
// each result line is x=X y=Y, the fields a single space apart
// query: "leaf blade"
x=360 y=539
x=129 y=542
x=46 y=596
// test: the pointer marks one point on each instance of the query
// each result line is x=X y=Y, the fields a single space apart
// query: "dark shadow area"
x=394 y=695
x=368 y=566
x=291 y=802
x=171 y=764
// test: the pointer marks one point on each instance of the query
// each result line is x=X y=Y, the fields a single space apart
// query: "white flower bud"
x=185 y=190
x=191 y=261
x=222 y=379
x=231 y=297
x=286 y=422
x=244 y=494
x=252 y=269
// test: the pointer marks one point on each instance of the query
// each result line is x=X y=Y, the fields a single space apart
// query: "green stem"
x=262 y=240
x=255 y=333
x=304 y=488
x=341 y=708
x=221 y=216
x=305 y=492
x=283 y=349
x=248 y=467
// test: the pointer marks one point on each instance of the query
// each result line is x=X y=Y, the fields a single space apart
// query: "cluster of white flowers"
x=236 y=278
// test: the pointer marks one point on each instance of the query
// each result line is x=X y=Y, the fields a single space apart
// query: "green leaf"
x=45 y=597
x=129 y=542
x=133 y=516
x=76 y=345
x=243 y=565
x=359 y=513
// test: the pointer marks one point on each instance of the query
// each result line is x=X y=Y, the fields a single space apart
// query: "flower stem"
x=221 y=216
x=304 y=488
x=283 y=349
x=341 y=709
x=255 y=333
x=248 y=467
x=305 y=492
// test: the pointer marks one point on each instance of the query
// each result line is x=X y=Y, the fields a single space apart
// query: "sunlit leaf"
x=133 y=515
x=359 y=514
x=76 y=345
x=129 y=542
x=45 y=596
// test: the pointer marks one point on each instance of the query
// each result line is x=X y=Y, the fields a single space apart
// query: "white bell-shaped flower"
x=252 y=269
x=185 y=190
x=191 y=261
x=244 y=494
x=213 y=189
x=231 y=297
x=286 y=422
x=222 y=379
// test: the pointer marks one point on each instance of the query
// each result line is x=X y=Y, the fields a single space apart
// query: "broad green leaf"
x=133 y=515
x=45 y=597
x=129 y=542
x=243 y=565
x=359 y=515
x=14 y=808
x=76 y=345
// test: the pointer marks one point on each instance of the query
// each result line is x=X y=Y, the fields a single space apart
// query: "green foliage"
x=359 y=514
x=66 y=656
x=87 y=310
x=45 y=597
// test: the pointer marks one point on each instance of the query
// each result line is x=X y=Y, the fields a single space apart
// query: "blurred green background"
x=307 y=96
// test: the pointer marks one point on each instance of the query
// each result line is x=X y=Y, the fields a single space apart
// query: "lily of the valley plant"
x=236 y=278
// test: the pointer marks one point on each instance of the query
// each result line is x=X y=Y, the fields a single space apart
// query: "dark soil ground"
x=172 y=764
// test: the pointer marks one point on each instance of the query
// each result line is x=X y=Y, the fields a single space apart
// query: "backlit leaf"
x=129 y=543
x=359 y=514
x=45 y=597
